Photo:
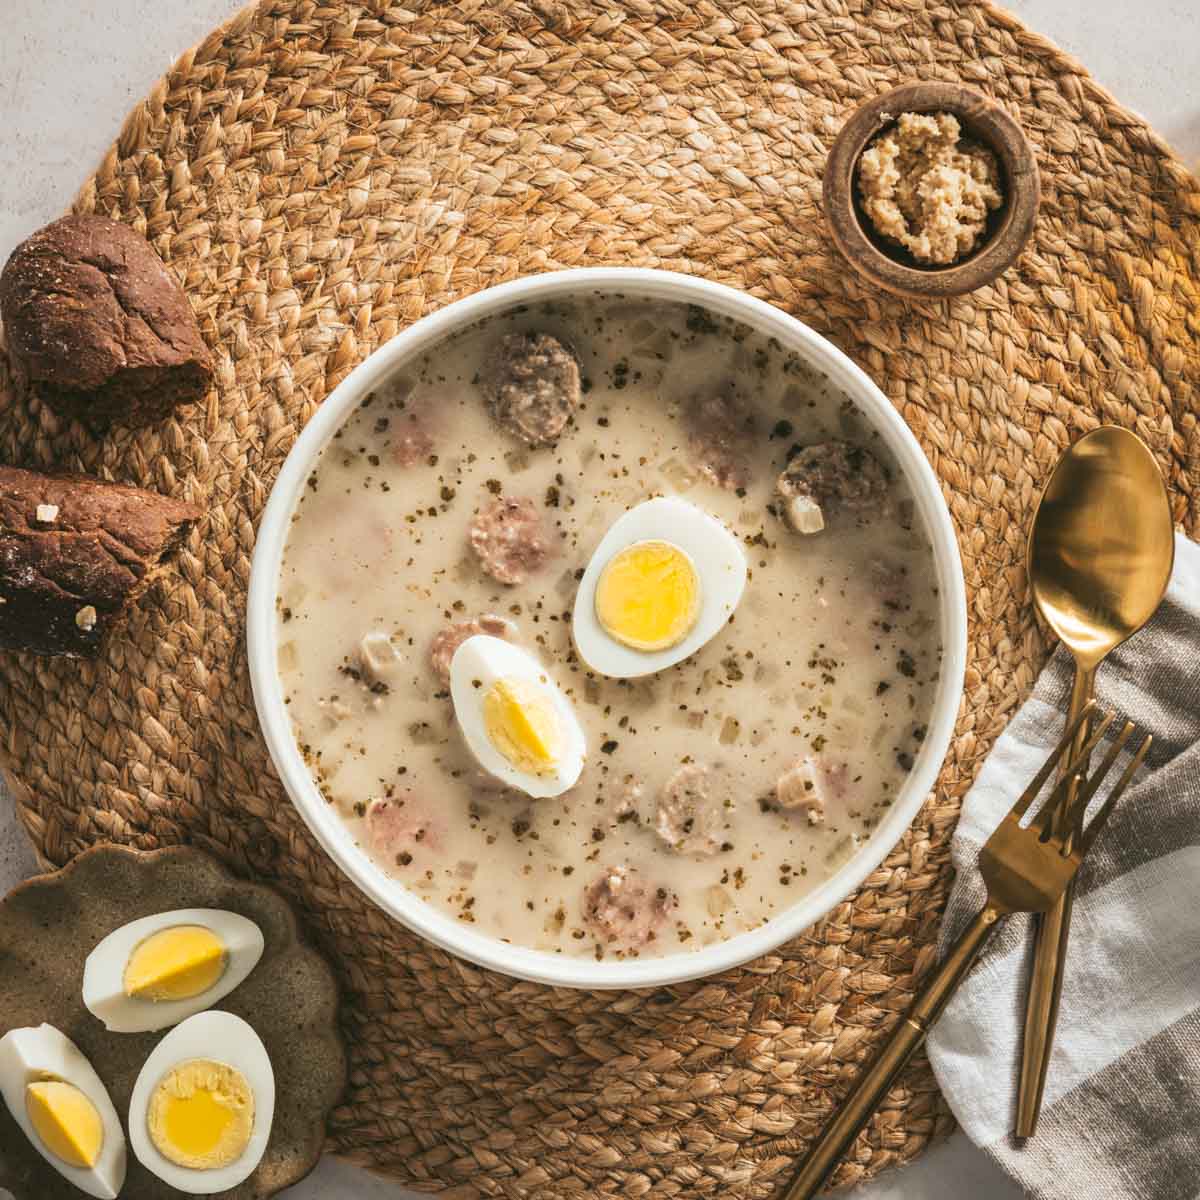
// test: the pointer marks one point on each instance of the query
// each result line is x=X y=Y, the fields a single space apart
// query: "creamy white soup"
x=436 y=556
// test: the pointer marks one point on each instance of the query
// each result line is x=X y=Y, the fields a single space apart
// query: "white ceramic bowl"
x=324 y=821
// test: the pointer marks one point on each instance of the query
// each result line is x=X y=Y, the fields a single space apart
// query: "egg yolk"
x=522 y=724
x=65 y=1120
x=201 y=1114
x=175 y=964
x=648 y=596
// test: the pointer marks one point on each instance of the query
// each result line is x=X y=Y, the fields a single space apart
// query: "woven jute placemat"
x=318 y=176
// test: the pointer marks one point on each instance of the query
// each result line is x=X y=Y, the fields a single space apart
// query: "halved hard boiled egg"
x=201 y=1111
x=57 y=1099
x=158 y=970
x=515 y=721
x=663 y=581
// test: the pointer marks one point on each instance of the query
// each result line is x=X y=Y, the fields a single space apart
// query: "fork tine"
x=1097 y=822
x=1045 y=822
x=1089 y=788
x=1046 y=813
x=1079 y=763
x=1038 y=782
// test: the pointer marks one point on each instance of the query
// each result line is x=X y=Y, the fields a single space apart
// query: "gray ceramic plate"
x=50 y=923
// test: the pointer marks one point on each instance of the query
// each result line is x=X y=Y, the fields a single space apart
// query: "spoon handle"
x=1053 y=930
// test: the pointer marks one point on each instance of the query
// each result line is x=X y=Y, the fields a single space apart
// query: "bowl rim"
x=388 y=893
x=983 y=118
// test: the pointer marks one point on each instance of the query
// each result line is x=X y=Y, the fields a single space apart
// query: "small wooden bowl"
x=1009 y=227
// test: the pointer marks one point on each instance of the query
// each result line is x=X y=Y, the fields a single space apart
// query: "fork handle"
x=873 y=1085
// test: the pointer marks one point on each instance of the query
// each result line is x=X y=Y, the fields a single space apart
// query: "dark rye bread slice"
x=75 y=554
x=98 y=325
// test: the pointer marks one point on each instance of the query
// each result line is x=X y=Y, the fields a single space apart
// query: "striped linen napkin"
x=1121 y=1118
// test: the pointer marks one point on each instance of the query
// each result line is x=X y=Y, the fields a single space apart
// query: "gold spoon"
x=1100 y=555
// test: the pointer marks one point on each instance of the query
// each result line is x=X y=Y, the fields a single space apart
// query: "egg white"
x=104 y=970
x=219 y=1037
x=477 y=664
x=29 y=1054
x=720 y=566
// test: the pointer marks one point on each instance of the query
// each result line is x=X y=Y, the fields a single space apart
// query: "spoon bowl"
x=1102 y=545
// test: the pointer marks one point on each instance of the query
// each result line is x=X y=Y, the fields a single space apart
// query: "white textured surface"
x=71 y=69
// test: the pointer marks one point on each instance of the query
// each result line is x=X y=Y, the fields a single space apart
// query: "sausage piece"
x=623 y=910
x=399 y=827
x=409 y=423
x=720 y=435
x=410 y=442
x=448 y=640
x=692 y=810
x=533 y=386
x=811 y=784
x=830 y=479
x=509 y=540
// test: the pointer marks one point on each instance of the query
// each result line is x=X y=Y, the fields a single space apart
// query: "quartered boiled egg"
x=515 y=721
x=202 y=1106
x=57 y=1099
x=158 y=970
x=663 y=581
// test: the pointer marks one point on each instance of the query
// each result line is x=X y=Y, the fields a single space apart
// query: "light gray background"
x=71 y=69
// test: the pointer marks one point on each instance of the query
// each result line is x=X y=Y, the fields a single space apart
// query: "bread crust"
x=75 y=553
x=98 y=325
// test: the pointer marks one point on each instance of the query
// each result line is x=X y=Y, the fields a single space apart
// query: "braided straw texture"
x=318 y=176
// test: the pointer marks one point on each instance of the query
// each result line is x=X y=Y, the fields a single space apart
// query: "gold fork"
x=1026 y=867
